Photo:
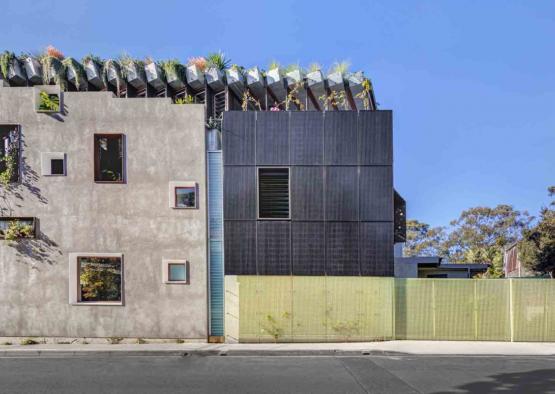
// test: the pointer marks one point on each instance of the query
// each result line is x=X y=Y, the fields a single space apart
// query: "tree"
x=537 y=248
x=423 y=240
x=481 y=233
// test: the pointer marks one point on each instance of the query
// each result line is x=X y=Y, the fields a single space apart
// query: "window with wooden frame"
x=273 y=193
x=109 y=158
x=9 y=153
x=183 y=195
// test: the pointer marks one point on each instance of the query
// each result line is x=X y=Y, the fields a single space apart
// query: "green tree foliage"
x=424 y=240
x=537 y=248
x=480 y=234
x=100 y=280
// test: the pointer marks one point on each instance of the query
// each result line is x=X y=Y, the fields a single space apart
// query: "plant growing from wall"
x=217 y=60
x=364 y=94
x=248 y=98
x=6 y=59
x=187 y=99
x=49 y=102
x=9 y=161
x=17 y=230
x=53 y=67
x=292 y=96
x=78 y=71
x=334 y=100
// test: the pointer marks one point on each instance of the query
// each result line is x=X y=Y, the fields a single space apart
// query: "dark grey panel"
x=376 y=137
x=376 y=249
x=239 y=192
x=272 y=138
x=341 y=193
x=307 y=193
x=376 y=193
x=341 y=138
x=238 y=137
x=240 y=247
x=308 y=248
x=307 y=137
x=273 y=247
x=342 y=248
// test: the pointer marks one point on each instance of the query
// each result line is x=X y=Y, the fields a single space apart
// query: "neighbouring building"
x=436 y=267
x=512 y=266
x=121 y=210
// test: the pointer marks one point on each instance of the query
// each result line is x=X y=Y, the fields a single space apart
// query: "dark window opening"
x=9 y=153
x=108 y=158
x=185 y=197
x=17 y=227
x=273 y=193
x=57 y=167
x=99 y=279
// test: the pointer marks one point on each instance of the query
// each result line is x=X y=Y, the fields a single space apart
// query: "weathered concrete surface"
x=164 y=142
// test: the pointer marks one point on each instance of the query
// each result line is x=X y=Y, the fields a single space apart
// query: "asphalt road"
x=217 y=374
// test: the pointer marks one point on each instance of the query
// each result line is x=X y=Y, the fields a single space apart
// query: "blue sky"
x=471 y=83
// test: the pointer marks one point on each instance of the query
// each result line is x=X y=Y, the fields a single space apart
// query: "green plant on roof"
x=273 y=64
x=198 y=61
x=113 y=65
x=293 y=67
x=78 y=71
x=53 y=67
x=314 y=67
x=340 y=67
x=187 y=99
x=5 y=60
x=334 y=100
x=238 y=68
x=217 y=60
x=173 y=69
x=127 y=62
x=90 y=57
x=49 y=102
x=365 y=93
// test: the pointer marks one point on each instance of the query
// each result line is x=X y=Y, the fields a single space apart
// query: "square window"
x=53 y=163
x=273 y=193
x=185 y=197
x=57 y=167
x=175 y=272
x=109 y=158
x=99 y=279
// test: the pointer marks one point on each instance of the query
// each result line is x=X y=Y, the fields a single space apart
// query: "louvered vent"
x=219 y=104
x=273 y=193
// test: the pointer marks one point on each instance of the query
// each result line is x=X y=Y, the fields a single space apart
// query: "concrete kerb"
x=391 y=348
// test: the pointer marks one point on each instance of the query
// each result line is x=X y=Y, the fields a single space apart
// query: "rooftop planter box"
x=336 y=83
x=16 y=76
x=93 y=70
x=175 y=74
x=134 y=71
x=112 y=71
x=276 y=83
x=155 y=76
x=75 y=74
x=33 y=69
x=295 y=76
x=255 y=81
x=53 y=71
x=316 y=83
x=295 y=80
x=235 y=80
x=48 y=99
x=215 y=79
x=195 y=77
x=359 y=90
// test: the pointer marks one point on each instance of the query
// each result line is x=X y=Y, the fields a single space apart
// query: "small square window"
x=175 y=271
x=53 y=163
x=183 y=195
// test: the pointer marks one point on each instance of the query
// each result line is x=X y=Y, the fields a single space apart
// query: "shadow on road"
x=537 y=381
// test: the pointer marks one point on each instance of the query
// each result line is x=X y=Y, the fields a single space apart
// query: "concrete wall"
x=164 y=142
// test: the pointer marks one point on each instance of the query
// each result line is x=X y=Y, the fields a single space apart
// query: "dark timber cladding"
x=308 y=193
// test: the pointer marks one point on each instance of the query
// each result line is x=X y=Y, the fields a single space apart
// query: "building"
x=120 y=220
x=512 y=266
x=435 y=267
